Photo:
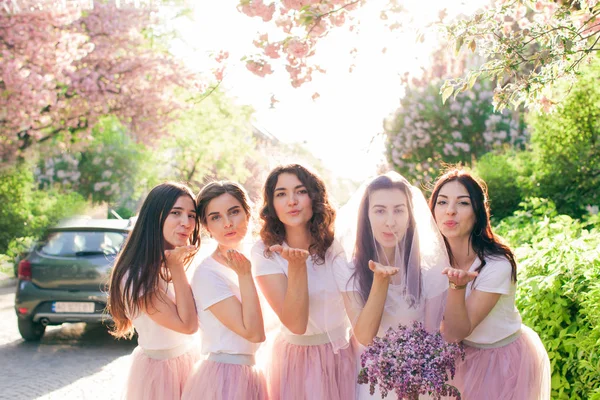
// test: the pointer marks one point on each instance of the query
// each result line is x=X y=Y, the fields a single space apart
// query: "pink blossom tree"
x=527 y=45
x=63 y=69
x=297 y=27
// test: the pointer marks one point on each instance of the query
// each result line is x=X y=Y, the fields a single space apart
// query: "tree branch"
x=212 y=89
x=320 y=17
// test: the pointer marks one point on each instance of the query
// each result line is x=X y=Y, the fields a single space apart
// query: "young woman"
x=312 y=357
x=504 y=359
x=149 y=291
x=398 y=256
x=227 y=302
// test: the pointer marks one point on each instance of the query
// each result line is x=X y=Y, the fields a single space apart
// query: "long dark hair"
x=320 y=226
x=364 y=248
x=484 y=241
x=215 y=189
x=140 y=264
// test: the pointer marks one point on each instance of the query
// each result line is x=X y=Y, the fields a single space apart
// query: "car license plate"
x=73 y=307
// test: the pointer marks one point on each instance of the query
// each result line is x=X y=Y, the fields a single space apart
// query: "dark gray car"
x=64 y=276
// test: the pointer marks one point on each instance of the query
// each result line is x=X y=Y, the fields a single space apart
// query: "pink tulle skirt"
x=213 y=380
x=152 y=379
x=517 y=371
x=311 y=372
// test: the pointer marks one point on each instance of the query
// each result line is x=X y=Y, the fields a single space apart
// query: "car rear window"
x=74 y=243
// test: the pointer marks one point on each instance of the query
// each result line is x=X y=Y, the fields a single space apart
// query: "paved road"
x=72 y=361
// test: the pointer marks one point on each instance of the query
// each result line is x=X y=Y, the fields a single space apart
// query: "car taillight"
x=25 y=270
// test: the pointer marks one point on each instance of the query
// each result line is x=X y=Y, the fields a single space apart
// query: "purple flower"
x=411 y=361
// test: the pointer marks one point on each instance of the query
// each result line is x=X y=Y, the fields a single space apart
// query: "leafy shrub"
x=124 y=212
x=562 y=162
x=559 y=291
x=567 y=146
x=15 y=191
x=111 y=165
x=6 y=265
x=26 y=212
x=501 y=176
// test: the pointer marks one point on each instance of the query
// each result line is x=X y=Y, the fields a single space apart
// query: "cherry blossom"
x=62 y=70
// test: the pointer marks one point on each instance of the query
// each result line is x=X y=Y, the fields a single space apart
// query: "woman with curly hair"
x=312 y=356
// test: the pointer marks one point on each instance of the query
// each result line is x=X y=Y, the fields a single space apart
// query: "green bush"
x=109 y=170
x=6 y=265
x=562 y=161
x=567 y=146
x=27 y=212
x=559 y=291
x=124 y=212
x=501 y=176
x=15 y=191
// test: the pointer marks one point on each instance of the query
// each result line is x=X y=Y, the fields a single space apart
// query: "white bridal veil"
x=418 y=291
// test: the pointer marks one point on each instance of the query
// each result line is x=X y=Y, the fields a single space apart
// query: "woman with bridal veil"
x=396 y=255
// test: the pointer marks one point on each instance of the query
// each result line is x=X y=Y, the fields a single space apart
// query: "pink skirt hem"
x=212 y=380
x=151 y=379
x=517 y=371
x=311 y=372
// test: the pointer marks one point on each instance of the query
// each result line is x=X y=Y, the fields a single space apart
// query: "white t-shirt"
x=504 y=319
x=322 y=289
x=214 y=282
x=152 y=336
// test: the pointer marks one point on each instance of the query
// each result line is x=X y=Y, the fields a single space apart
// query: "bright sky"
x=340 y=126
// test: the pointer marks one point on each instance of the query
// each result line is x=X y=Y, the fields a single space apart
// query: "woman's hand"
x=238 y=262
x=459 y=277
x=179 y=256
x=296 y=257
x=382 y=271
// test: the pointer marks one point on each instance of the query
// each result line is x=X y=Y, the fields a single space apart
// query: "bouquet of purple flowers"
x=411 y=361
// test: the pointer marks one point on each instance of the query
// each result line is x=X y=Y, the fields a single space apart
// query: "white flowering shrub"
x=105 y=171
x=424 y=133
x=61 y=169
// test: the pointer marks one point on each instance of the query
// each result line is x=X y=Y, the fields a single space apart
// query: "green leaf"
x=446 y=92
x=459 y=42
x=472 y=80
x=472 y=46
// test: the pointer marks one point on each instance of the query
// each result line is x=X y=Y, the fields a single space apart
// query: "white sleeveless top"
x=152 y=336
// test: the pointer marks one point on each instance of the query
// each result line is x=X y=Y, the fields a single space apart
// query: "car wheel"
x=31 y=331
